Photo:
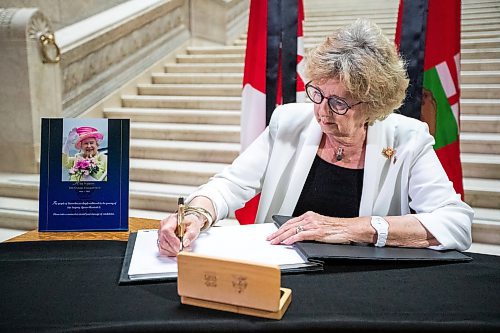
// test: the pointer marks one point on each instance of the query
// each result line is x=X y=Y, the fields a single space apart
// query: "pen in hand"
x=180 y=222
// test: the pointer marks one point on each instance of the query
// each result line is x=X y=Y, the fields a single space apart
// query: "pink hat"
x=86 y=132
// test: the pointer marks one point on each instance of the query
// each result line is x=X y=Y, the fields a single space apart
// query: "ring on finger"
x=299 y=229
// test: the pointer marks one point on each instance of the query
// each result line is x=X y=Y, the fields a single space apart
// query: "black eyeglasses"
x=336 y=104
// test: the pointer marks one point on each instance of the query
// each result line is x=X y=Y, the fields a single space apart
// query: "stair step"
x=21 y=214
x=13 y=182
x=490 y=13
x=480 y=64
x=480 y=143
x=323 y=15
x=240 y=42
x=483 y=27
x=479 y=10
x=480 y=165
x=147 y=214
x=478 y=22
x=475 y=4
x=204 y=68
x=159 y=215
x=486 y=232
x=173 y=172
x=480 y=123
x=349 y=7
x=157 y=197
x=386 y=18
x=486 y=226
x=198 y=78
x=486 y=214
x=472 y=77
x=483 y=193
x=480 y=34
x=216 y=152
x=222 y=117
x=478 y=43
x=327 y=30
x=317 y=36
x=482 y=53
x=19 y=185
x=332 y=25
x=188 y=102
x=484 y=91
x=215 y=50
x=182 y=89
x=480 y=106
x=210 y=58
x=338 y=20
x=185 y=132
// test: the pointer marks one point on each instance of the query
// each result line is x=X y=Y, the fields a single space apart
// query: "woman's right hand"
x=168 y=242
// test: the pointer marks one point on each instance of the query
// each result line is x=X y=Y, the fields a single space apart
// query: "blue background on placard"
x=53 y=189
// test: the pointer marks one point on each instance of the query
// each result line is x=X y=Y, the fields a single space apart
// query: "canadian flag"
x=274 y=45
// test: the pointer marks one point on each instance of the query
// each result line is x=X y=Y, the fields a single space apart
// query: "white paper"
x=246 y=242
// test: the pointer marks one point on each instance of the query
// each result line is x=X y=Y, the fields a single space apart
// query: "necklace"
x=340 y=153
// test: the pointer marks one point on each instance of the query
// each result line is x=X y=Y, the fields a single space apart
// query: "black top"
x=331 y=190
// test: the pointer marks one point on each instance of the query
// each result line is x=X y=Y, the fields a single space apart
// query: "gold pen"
x=180 y=222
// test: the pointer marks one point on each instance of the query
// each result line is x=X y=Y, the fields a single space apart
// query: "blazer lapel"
x=380 y=136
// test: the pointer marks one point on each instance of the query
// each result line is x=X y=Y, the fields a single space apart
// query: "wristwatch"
x=382 y=228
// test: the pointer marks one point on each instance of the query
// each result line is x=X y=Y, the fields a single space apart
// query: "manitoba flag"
x=428 y=37
x=273 y=58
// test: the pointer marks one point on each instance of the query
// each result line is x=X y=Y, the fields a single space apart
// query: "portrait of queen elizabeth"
x=88 y=164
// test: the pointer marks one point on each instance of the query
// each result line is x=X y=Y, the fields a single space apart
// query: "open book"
x=247 y=243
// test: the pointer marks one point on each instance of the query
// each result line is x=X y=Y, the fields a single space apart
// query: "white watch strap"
x=382 y=228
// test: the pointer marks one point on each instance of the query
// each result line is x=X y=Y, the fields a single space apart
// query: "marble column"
x=30 y=86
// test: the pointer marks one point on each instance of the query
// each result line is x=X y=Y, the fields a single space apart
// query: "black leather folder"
x=321 y=252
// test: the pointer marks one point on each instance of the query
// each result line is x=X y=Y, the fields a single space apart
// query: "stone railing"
x=30 y=87
x=67 y=75
x=64 y=13
x=103 y=52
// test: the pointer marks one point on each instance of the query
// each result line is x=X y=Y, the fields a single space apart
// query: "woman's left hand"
x=313 y=226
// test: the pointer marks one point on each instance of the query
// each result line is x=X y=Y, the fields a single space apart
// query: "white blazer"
x=412 y=181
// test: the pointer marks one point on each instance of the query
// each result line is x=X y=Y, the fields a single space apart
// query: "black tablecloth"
x=73 y=286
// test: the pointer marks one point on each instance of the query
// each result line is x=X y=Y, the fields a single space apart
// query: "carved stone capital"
x=38 y=25
x=22 y=23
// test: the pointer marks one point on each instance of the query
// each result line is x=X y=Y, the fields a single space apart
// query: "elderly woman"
x=347 y=167
x=88 y=164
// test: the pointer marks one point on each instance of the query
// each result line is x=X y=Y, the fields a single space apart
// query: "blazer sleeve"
x=432 y=196
x=239 y=182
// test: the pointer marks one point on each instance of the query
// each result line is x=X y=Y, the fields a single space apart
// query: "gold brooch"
x=388 y=152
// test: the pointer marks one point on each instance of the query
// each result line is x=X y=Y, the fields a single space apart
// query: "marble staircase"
x=185 y=121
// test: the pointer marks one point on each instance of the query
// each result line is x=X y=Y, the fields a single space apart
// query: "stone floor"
x=476 y=247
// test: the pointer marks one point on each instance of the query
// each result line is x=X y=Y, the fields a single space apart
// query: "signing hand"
x=313 y=226
x=168 y=243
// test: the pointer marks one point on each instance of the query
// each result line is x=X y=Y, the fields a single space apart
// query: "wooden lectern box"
x=236 y=286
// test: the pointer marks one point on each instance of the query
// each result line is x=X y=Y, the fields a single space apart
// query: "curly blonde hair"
x=366 y=62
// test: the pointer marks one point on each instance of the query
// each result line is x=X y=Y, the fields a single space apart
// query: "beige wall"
x=62 y=13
